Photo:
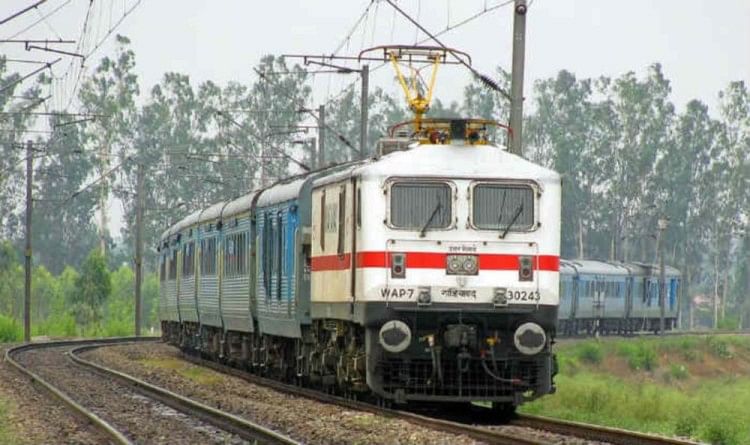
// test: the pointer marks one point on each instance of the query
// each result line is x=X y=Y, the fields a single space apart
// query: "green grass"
x=647 y=385
x=10 y=329
x=198 y=374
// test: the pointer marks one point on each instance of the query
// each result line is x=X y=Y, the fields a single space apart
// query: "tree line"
x=628 y=157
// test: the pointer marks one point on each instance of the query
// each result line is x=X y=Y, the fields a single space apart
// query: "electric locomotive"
x=427 y=273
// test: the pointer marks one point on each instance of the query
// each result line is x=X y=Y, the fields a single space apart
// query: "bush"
x=591 y=352
x=640 y=355
x=729 y=323
x=720 y=347
x=58 y=325
x=10 y=329
x=678 y=372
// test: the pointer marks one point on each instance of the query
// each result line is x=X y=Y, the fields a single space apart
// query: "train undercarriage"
x=453 y=363
x=612 y=326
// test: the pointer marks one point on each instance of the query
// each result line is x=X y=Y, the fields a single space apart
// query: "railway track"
x=595 y=432
x=127 y=410
x=650 y=335
x=486 y=431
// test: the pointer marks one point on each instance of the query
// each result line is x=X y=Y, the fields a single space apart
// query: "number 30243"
x=522 y=295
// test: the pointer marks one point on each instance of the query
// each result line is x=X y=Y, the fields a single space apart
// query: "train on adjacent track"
x=607 y=297
x=428 y=273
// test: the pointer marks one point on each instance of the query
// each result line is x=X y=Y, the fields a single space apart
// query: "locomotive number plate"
x=523 y=295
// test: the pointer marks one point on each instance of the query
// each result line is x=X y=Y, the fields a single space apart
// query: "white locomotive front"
x=441 y=262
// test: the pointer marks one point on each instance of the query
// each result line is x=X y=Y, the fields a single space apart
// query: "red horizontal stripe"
x=331 y=262
x=430 y=260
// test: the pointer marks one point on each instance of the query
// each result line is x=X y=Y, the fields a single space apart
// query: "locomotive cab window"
x=503 y=207
x=420 y=205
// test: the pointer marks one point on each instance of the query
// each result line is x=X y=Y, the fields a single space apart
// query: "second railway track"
x=127 y=410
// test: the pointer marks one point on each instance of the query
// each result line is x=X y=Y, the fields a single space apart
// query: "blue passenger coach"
x=599 y=297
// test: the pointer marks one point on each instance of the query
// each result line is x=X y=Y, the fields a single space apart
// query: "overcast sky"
x=702 y=44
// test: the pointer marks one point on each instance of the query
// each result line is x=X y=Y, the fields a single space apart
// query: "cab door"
x=333 y=247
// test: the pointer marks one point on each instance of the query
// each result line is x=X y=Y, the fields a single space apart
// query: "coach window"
x=503 y=207
x=420 y=205
x=188 y=259
x=173 y=265
x=208 y=256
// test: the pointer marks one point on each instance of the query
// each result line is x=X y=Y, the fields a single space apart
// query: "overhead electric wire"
x=483 y=78
x=338 y=134
x=79 y=49
x=353 y=28
x=21 y=12
x=33 y=73
x=471 y=18
x=49 y=25
x=49 y=14
x=261 y=140
x=102 y=177
x=113 y=27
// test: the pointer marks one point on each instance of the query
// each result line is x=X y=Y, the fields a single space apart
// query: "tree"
x=110 y=94
x=63 y=220
x=94 y=287
x=11 y=280
x=561 y=135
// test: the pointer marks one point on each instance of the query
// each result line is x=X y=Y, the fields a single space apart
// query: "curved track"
x=115 y=404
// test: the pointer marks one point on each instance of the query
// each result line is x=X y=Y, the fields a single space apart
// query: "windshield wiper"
x=429 y=220
x=512 y=221
x=502 y=207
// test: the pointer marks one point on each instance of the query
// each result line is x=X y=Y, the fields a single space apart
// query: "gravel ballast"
x=140 y=419
x=303 y=419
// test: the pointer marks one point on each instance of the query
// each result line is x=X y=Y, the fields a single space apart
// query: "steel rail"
x=478 y=433
x=483 y=433
x=103 y=426
x=650 y=334
x=229 y=422
x=615 y=436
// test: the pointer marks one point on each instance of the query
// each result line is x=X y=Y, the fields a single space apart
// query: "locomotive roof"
x=485 y=161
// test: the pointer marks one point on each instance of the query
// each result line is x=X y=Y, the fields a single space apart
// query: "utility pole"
x=27 y=253
x=321 y=136
x=139 y=247
x=662 y=222
x=364 y=105
x=516 y=83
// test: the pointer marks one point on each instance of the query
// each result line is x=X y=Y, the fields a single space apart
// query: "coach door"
x=333 y=245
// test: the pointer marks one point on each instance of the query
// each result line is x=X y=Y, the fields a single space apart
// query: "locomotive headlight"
x=454 y=264
x=470 y=264
x=529 y=338
x=462 y=265
x=424 y=297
